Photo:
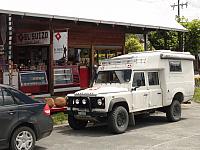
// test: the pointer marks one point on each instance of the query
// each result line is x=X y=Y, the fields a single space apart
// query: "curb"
x=61 y=125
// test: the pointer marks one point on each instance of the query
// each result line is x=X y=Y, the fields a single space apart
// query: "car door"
x=155 y=91
x=8 y=114
x=140 y=92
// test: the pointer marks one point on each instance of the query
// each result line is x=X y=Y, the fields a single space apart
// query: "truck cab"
x=132 y=84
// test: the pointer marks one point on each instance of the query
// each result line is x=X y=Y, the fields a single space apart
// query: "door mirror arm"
x=134 y=88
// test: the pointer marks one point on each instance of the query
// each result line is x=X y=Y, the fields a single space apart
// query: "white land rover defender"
x=132 y=84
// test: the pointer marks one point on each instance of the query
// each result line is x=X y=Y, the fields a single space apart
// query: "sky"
x=86 y=8
x=191 y=12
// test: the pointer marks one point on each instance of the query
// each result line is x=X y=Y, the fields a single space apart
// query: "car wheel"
x=23 y=138
x=76 y=124
x=173 y=112
x=118 y=120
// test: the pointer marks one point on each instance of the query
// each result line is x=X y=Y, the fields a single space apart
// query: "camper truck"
x=132 y=84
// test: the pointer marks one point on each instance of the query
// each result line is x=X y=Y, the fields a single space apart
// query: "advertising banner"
x=33 y=38
x=60 y=45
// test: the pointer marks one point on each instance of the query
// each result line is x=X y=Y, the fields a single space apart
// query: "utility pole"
x=178 y=5
x=180 y=35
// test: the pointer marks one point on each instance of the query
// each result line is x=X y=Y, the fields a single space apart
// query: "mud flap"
x=131 y=120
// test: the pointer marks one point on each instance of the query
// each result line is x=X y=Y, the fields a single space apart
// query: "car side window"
x=153 y=78
x=8 y=99
x=1 y=97
x=21 y=98
x=138 y=79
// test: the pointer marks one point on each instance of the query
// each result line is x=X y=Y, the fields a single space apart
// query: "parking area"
x=152 y=133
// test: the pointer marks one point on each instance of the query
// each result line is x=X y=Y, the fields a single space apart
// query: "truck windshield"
x=114 y=76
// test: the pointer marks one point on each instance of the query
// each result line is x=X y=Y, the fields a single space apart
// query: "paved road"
x=153 y=133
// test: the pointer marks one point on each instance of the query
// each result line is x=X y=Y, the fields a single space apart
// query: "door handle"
x=158 y=93
x=11 y=112
x=145 y=94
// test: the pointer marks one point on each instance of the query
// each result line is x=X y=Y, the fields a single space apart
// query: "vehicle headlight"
x=84 y=101
x=77 y=101
x=99 y=102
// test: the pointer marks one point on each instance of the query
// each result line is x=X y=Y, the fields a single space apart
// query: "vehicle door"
x=155 y=92
x=140 y=92
x=8 y=114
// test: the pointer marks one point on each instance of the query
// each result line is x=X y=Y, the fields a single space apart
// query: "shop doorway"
x=32 y=68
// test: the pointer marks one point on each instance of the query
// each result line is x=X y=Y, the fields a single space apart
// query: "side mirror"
x=134 y=88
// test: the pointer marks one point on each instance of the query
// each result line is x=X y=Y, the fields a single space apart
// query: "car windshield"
x=114 y=76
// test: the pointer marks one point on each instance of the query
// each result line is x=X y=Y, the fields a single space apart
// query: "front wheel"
x=23 y=138
x=76 y=124
x=173 y=112
x=118 y=120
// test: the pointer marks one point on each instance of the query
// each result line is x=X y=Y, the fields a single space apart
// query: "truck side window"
x=175 y=66
x=138 y=79
x=153 y=78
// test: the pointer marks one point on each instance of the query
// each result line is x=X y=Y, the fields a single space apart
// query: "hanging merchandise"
x=60 y=46
x=3 y=29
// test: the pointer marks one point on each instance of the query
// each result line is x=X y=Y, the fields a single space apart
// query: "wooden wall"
x=79 y=33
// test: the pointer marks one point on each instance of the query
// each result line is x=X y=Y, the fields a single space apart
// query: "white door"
x=140 y=92
x=155 y=92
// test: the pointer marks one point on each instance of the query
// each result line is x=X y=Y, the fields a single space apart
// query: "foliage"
x=192 y=42
x=192 y=37
x=160 y=38
x=59 y=118
x=196 y=96
x=132 y=43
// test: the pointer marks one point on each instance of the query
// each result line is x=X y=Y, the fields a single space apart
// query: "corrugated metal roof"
x=88 y=11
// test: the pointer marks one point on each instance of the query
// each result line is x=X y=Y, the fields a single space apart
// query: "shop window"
x=79 y=56
x=175 y=66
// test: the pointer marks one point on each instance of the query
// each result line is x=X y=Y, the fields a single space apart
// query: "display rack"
x=33 y=82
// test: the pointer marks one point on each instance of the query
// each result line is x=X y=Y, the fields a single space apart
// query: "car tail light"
x=46 y=110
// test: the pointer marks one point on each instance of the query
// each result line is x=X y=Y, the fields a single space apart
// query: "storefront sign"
x=60 y=45
x=33 y=38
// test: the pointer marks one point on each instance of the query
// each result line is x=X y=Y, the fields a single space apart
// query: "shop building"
x=45 y=54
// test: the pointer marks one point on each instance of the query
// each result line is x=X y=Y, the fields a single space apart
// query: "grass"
x=59 y=118
x=196 y=96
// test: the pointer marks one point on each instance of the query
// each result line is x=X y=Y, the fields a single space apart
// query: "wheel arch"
x=178 y=96
x=23 y=124
x=118 y=102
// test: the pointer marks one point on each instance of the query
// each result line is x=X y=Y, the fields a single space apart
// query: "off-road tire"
x=118 y=120
x=173 y=112
x=76 y=124
x=18 y=133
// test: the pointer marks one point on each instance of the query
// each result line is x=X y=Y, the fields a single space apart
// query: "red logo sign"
x=58 y=36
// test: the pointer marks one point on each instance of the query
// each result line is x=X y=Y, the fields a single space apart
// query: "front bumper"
x=91 y=114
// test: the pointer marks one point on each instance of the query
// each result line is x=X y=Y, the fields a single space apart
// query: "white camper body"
x=139 y=82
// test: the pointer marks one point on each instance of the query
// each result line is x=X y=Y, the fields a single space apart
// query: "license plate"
x=82 y=113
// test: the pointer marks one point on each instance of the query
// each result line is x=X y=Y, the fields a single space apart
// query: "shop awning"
x=125 y=13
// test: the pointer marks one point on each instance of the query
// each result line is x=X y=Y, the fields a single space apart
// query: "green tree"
x=132 y=43
x=169 y=39
x=164 y=40
x=192 y=37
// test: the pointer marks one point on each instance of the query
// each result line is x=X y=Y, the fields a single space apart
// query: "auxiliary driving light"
x=84 y=101
x=77 y=101
x=99 y=102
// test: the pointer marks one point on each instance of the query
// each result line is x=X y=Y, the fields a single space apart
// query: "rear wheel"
x=76 y=124
x=118 y=120
x=173 y=112
x=23 y=138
